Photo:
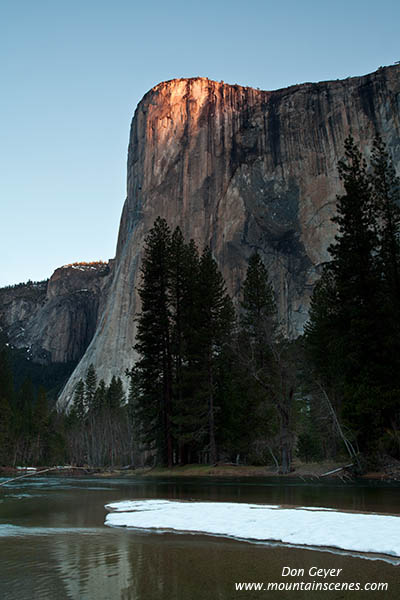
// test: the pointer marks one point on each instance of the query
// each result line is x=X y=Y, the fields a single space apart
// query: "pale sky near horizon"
x=72 y=73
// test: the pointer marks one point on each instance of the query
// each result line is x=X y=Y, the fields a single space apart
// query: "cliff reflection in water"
x=92 y=570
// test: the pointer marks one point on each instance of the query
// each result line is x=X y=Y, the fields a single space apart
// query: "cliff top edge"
x=213 y=83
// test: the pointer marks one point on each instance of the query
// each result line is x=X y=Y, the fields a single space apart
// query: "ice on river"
x=309 y=526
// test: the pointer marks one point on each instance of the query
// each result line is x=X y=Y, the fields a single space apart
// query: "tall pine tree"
x=214 y=330
x=347 y=331
x=267 y=354
x=386 y=194
x=154 y=344
x=185 y=321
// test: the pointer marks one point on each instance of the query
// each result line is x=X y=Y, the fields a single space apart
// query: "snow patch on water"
x=305 y=526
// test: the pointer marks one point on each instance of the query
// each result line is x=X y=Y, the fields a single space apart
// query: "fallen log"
x=32 y=473
x=336 y=470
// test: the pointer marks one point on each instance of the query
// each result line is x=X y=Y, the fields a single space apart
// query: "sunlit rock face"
x=56 y=319
x=241 y=170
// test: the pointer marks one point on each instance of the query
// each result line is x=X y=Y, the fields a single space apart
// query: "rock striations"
x=239 y=169
x=56 y=319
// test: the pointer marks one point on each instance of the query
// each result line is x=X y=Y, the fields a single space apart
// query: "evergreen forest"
x=216 y=381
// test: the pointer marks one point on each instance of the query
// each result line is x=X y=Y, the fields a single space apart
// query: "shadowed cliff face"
x=55 y=319
x=240 y=169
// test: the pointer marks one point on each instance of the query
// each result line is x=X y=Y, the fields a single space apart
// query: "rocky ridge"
x=241 y=170
x=56 y=319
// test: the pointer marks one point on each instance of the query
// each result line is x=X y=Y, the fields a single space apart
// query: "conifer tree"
x=324 y=345
x=354 y=267
x=258 y=310
x=347 y=331
x=7 y=430
x=115 y=395
x=6 y=378
x=185 y=321
x=23 y=419
x=154 y=368
x=99 y=399
x=184 y=301
x=386 y=196
x=79 y=406
x=215 y=325
x=40 y=425
x=115 y=399
x=177 y=283
x=266 y=353
x=90 y=386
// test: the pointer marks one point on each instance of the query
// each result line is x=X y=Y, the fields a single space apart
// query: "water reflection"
x=54 y=545
x=93 y=570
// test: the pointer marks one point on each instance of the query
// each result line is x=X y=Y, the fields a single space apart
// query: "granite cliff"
x=239 y=169
x=55 y=319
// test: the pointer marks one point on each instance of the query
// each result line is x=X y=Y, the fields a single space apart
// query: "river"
x=54 y=545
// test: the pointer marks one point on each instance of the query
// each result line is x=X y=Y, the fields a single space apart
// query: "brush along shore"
x=336 y=470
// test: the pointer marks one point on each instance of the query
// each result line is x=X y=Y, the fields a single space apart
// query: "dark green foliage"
x=321 y=329
x=40 y=429
x=28 y=432
x=6 y=398
x=183 y=329
x=354 y=269
x=269 y=360
x=386 y=197
x=353 y=332
x=207 y=387
x=53 y=377
x=154 y=342
x=115 y=397
x=308 y=447
x=24 y=412
x=90 y=386
x=213 y=337
x=79 y=405
x=29 y=289
x=98 y=423
x=95 y=431
x=100 y=397
x=258 y=304
x=6 y=430
x=6 y=376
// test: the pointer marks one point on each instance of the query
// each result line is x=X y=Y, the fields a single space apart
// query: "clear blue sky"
x=73 y=71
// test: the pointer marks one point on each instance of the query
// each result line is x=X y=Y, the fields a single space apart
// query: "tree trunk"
x=211 y=416
x=284 y=408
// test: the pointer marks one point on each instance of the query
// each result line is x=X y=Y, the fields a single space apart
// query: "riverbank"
x=240 y=471
x=53 y=537
x=306 y=471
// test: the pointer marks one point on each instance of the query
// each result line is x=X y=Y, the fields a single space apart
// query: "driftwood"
x=336 y=470
x=32 y=473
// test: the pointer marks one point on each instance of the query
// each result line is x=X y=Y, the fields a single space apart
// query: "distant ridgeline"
x=55 y=319
x=45 y=327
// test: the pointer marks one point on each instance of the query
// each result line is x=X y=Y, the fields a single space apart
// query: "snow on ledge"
x=306 y=526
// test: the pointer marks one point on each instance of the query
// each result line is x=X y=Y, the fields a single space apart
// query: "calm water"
x=53 y=544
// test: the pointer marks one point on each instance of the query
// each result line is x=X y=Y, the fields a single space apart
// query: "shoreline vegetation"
x=327 y=470
x=219 y=383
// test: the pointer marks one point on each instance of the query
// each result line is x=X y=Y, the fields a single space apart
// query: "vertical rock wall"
x=240 y=169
